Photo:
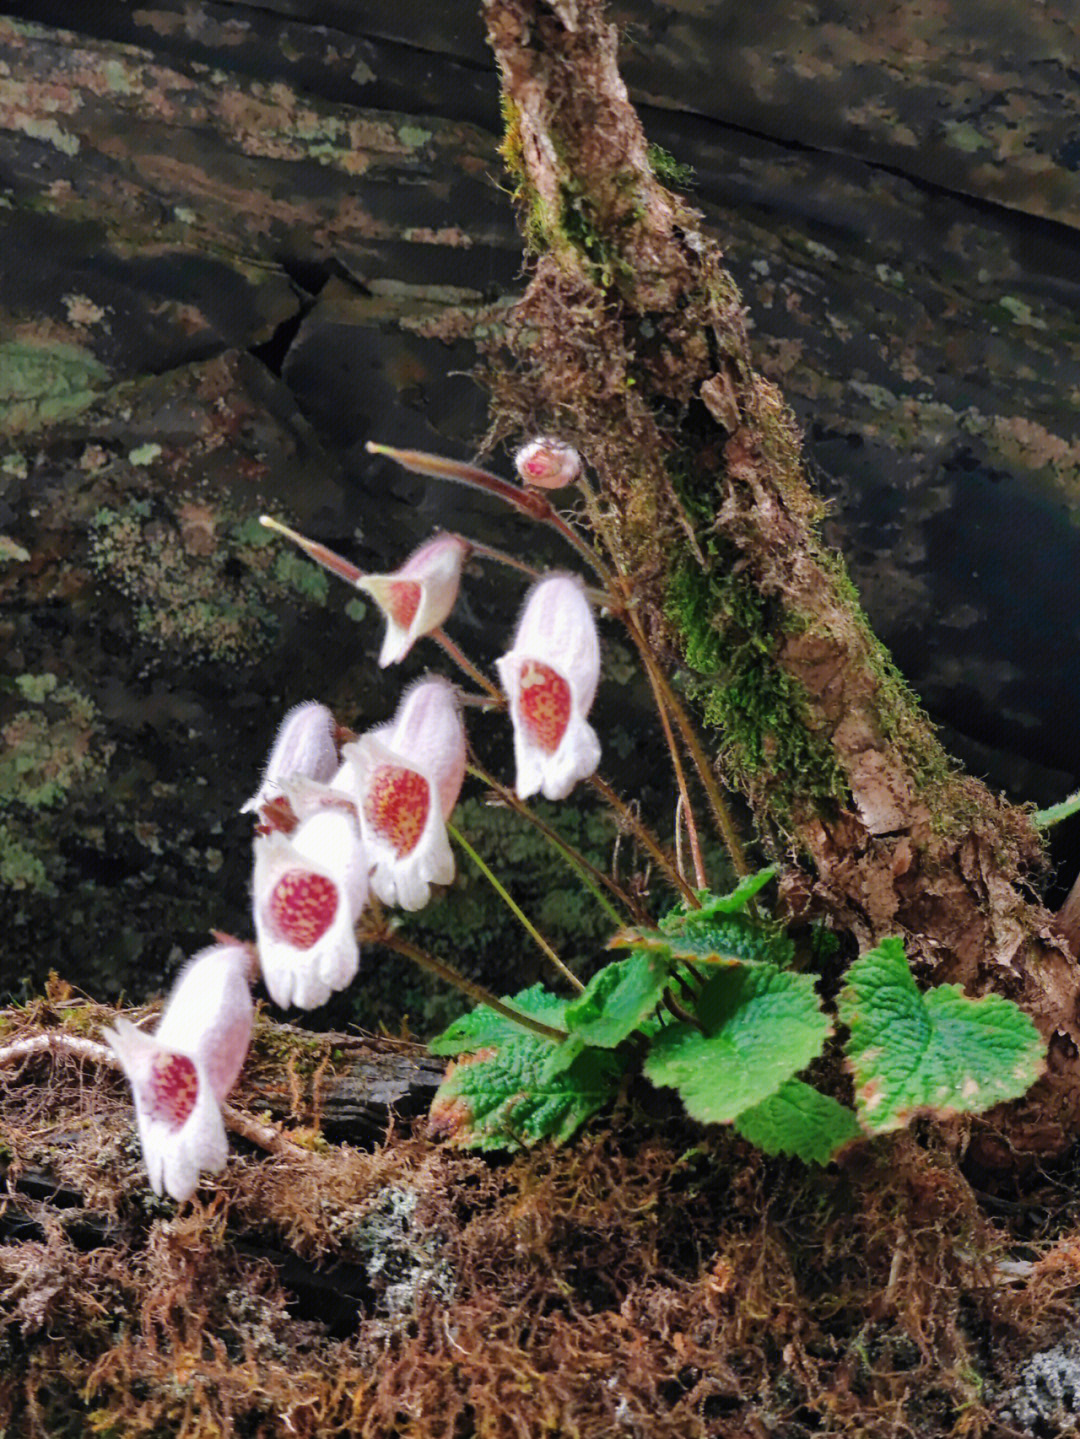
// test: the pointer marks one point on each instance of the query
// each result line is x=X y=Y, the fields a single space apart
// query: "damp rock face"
x=238 y=245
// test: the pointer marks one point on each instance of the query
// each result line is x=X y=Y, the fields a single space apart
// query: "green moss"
x=728 y=635
x=668 y=170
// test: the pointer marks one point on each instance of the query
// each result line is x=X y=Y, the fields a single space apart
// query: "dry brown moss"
x=670 y=1285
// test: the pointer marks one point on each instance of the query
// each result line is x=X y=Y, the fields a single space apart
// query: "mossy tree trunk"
x=631 y=342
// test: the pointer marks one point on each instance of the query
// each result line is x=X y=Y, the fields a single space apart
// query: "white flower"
x=416 y=598
x=408 y=776
x=547 y=463
x=550 y=679
x=309 y=889
x=305 y=745
x=181 y=1074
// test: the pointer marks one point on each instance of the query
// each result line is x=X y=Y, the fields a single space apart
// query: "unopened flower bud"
x=547 y=463
x=305 y=745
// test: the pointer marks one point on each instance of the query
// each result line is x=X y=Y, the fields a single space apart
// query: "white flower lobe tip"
x=550 y=677
x=548 y=463
x=308 y=891
x=419 y=596
x=408 y=776
x=305 y=745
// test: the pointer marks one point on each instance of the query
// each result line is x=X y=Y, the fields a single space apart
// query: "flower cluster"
x=342 y=818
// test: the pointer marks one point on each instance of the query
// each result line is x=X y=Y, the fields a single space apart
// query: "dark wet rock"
x=236 y=245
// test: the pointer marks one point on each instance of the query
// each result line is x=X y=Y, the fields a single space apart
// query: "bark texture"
x=631 y=341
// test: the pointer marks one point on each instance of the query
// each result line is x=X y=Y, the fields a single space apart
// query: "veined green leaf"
x=483 y=1027
x=617 y=1000
x=937 y=1051
x=801 y=1121
x=731 y=939
x=505 y=1098
x=761 y=1026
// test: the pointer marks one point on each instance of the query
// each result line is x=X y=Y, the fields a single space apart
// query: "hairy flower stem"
x=645 y=838
x=600 y=598
x=680 y=779
x=475 y=992
x=514 y=908
x=496 y=697
x=590 y=875
x=530 y=502
x=667 y=699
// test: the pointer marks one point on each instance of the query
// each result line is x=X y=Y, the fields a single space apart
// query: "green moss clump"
x=728 y=636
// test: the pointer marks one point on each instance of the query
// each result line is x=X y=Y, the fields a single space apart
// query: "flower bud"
x=550 y=678
x=416 y=598
x=305 y=745
x=547 y=463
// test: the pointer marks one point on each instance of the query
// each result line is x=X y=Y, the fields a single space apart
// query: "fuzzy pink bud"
x=417 y=598
x=305 y=745
x=550 y=678
x=547 y=463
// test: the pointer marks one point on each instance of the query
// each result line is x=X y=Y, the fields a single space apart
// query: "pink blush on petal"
x=172 y=1089
x=302 y=907
x=404 y=601
x=544 y=703
x=396 y=806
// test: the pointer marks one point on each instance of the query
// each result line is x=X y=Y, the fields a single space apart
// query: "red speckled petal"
x=302 y=907
x=396 y=806
x=544 y=704
x=172 y=1088
x=404 y=601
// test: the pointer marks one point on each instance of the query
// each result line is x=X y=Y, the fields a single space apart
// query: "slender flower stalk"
x=591 y=876
x=515 y=909
x=349 y=572
x=645 y=838
x=680 y=779
x=476 y=992
x=531 y=502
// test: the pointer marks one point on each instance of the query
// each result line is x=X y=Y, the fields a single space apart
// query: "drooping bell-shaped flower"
x=308 y=890
x=181 y=1074
x=305 y=745
x=408 y=775
x=416 y=598
x=550 y=679
x=547 y=463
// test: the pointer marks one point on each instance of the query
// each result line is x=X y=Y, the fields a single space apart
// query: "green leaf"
x=761 y=1025
x=801 y=1121
x=938 y=1051
x=618 y=999
x=483 y=1027
x=729 y=940
x=736 y=901
x=508 y=1100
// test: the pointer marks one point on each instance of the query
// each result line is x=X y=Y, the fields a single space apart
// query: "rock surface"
x=237 y=245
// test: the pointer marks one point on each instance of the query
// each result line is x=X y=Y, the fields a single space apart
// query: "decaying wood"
x=631 y=340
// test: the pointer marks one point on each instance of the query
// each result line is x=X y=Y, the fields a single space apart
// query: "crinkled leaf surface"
x=727 y=939
x=762 y=1026
x=618 y=999
x=483 y=1027
x=801 y=1121
x=506 y=1099
x=733 y=903
x=912 y=1051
